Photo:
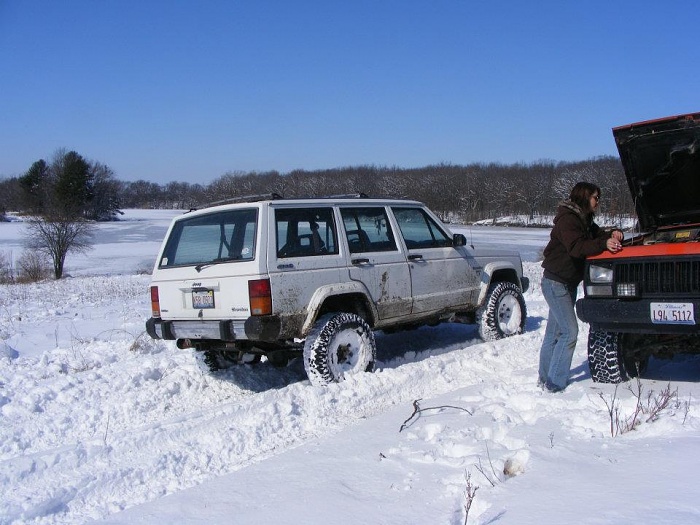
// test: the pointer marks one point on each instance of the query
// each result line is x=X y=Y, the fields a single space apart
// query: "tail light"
x=260 y=296
x=155 y=302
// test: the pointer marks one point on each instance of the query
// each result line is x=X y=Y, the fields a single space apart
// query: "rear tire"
x=217 y=360
x=503 y=313
x=338 y=346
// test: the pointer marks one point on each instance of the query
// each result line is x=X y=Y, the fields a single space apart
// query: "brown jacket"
x=574 y=237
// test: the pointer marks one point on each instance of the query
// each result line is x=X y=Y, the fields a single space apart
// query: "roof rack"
x=243 y=198
x=359 y=195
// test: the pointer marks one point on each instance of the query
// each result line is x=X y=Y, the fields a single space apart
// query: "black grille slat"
x=667 y=277
x=651 y=278
x=684 y=276
x=660 y=277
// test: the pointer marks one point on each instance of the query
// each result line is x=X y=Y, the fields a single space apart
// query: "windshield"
x=212 y=238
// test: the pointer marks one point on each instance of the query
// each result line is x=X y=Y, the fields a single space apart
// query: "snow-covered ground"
x=98 y=422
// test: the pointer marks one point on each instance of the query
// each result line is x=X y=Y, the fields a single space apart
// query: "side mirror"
x=459 y=240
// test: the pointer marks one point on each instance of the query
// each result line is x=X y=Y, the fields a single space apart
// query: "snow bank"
x=98 y=422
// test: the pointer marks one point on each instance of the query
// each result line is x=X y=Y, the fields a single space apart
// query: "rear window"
x=217 y=237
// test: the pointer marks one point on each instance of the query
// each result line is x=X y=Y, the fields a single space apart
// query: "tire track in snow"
x=97 y=477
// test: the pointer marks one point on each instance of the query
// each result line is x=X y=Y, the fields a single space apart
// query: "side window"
x=419 y=230
x=368 y=230
x=303 y=232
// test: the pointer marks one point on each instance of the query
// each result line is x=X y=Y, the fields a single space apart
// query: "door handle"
x=358 y=262
x=415 y=257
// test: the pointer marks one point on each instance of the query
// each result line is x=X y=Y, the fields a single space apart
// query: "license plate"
x=202 y=299
x=672 y=313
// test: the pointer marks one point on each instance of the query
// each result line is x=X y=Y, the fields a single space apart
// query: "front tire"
x=608 y=359
x=503 y=313
x=338 y=346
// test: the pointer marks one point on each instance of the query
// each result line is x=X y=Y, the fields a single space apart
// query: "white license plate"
x=672 y=313
x=202 y=299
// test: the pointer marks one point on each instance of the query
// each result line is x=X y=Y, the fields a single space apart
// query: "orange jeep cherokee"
x=645 y=299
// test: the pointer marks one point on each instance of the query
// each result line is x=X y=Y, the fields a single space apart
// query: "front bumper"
x=631 y=316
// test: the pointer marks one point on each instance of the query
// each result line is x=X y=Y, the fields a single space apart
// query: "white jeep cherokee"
x=280 y=277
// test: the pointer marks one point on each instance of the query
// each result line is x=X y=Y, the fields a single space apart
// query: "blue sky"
x=188 y=90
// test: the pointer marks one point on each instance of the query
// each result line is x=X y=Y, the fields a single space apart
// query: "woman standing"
x=574 y=237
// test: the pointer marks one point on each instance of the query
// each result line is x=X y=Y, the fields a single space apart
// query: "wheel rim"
x=509 y=315
x=349 y=353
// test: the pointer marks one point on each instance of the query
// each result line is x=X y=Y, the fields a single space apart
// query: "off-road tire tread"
x=316 y=356
x=605 y=357
x=487 y=314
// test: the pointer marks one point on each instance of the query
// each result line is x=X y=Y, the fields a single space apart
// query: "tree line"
x=459 y=193
x=65 y=196
x=62 y=198
x=66 y=186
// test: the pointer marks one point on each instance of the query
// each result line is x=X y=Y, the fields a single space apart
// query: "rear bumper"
x=226 y=330
x=631 y=316
x=263 y=328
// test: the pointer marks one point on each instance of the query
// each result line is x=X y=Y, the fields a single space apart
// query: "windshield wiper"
x=219 y=260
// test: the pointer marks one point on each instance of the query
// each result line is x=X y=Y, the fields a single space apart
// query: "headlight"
x=600 y=274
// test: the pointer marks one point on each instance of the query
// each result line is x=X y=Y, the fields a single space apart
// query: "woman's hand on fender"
x=613 y=245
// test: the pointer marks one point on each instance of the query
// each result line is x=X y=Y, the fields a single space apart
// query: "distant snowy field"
x=129 y=245
x=100 y=423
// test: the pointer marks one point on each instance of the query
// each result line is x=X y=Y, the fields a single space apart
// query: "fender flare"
x=333 y=290
x=505 y=271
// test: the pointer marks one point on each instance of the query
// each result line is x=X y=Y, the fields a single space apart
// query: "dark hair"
x=581 y=195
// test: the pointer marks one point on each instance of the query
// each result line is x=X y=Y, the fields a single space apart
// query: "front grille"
x=661 y=278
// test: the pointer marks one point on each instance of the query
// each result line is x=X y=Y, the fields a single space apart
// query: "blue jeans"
x=560 y=335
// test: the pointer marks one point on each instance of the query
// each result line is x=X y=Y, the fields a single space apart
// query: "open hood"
x=661 y=159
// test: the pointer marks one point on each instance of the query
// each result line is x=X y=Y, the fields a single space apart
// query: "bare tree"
x=31 y=267
x=56 y=236
x=104 y=203
x=142 y=194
